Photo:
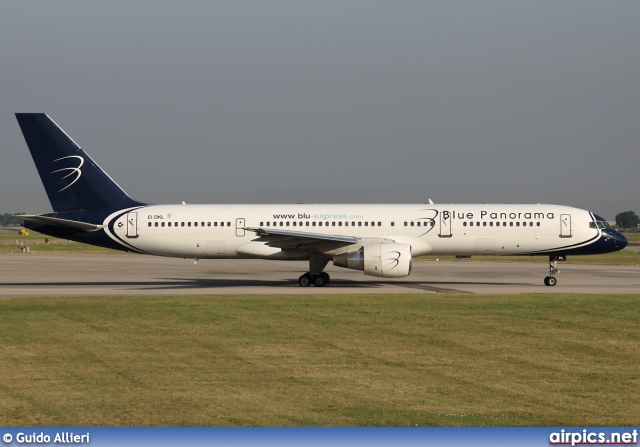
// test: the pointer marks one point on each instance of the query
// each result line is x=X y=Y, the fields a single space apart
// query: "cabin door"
x=445 y=225
x=565 y=225
x=132 y=224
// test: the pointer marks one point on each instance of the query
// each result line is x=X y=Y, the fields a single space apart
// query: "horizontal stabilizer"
x=64 y=223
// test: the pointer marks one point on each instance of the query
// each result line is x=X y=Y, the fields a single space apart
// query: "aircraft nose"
x=616 y=240
x=621 y=240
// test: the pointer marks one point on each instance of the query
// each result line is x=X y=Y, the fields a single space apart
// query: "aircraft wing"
x=287 y=239
x=57 y=222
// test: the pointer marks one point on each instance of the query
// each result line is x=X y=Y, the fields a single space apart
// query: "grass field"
x=36 y=243
x=405 y=360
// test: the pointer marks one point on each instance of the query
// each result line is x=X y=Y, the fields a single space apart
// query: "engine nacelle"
x=389 y=260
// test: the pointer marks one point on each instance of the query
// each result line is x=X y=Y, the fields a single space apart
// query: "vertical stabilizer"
x=73 y=181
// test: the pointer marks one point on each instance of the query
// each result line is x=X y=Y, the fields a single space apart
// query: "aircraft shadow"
x=219 y=283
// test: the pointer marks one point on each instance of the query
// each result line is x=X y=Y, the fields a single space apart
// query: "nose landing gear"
x=551 y=280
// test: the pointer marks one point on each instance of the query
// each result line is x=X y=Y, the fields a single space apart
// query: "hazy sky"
x=331 y=101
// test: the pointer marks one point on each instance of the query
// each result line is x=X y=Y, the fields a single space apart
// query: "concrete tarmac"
x=38 y=275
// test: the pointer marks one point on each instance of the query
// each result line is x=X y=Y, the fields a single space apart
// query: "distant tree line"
x=628 y=219
x=9 y=220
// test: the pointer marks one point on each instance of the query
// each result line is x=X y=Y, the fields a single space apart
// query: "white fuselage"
x=222 y=231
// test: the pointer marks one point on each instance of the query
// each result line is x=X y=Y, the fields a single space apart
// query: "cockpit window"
x=599 y=223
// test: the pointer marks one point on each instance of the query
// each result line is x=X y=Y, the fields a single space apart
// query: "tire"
x=552 y=281
x=319 y=281
x=304 y=280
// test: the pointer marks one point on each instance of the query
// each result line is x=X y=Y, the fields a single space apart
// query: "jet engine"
x=388 y=260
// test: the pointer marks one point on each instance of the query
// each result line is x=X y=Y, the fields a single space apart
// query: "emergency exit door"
x=240 y=227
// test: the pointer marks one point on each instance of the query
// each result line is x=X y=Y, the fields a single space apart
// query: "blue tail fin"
x=73 y=181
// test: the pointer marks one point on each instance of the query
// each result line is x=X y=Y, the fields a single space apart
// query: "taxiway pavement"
x=35 y=275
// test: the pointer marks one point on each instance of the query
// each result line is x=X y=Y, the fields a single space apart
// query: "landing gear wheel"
x=553 y=271
x=319 y=280
x=326 y=277
x=550 y=281
x=304 y=280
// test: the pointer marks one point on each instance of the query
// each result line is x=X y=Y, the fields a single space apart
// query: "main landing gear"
x=319 y=280
x=551 y=280
x=315 y=275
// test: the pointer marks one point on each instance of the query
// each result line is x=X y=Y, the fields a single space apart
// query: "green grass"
x=624 y=257
x=37 y=244
x=634 y=237
x=399 y=360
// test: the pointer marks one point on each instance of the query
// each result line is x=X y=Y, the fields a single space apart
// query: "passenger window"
x=182 y=224
x=307 y=224
x=379 y=224
x=497 y=224
x=294 y=224
x=339 y=224
x=313 y=224
x=162 y=224
x=366 y=224
x=333 y=224
x=195 y=224
x=406 y=224
x=537 y=224
x=287 y=223
x=464 y=224
x=412 y=224
x=156 y=224
x=150 y=224
x=359 y=224
x=484 y=224
x=353 y=224
x=490 y=224
x=510 y=224
x=209 y=224
x=392 y=224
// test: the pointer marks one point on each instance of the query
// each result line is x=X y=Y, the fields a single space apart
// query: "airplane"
x=380 y=240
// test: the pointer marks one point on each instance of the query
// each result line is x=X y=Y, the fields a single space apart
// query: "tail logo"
x=72 y=170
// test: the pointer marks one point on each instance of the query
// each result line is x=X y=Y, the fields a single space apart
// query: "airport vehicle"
x=380 y=240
